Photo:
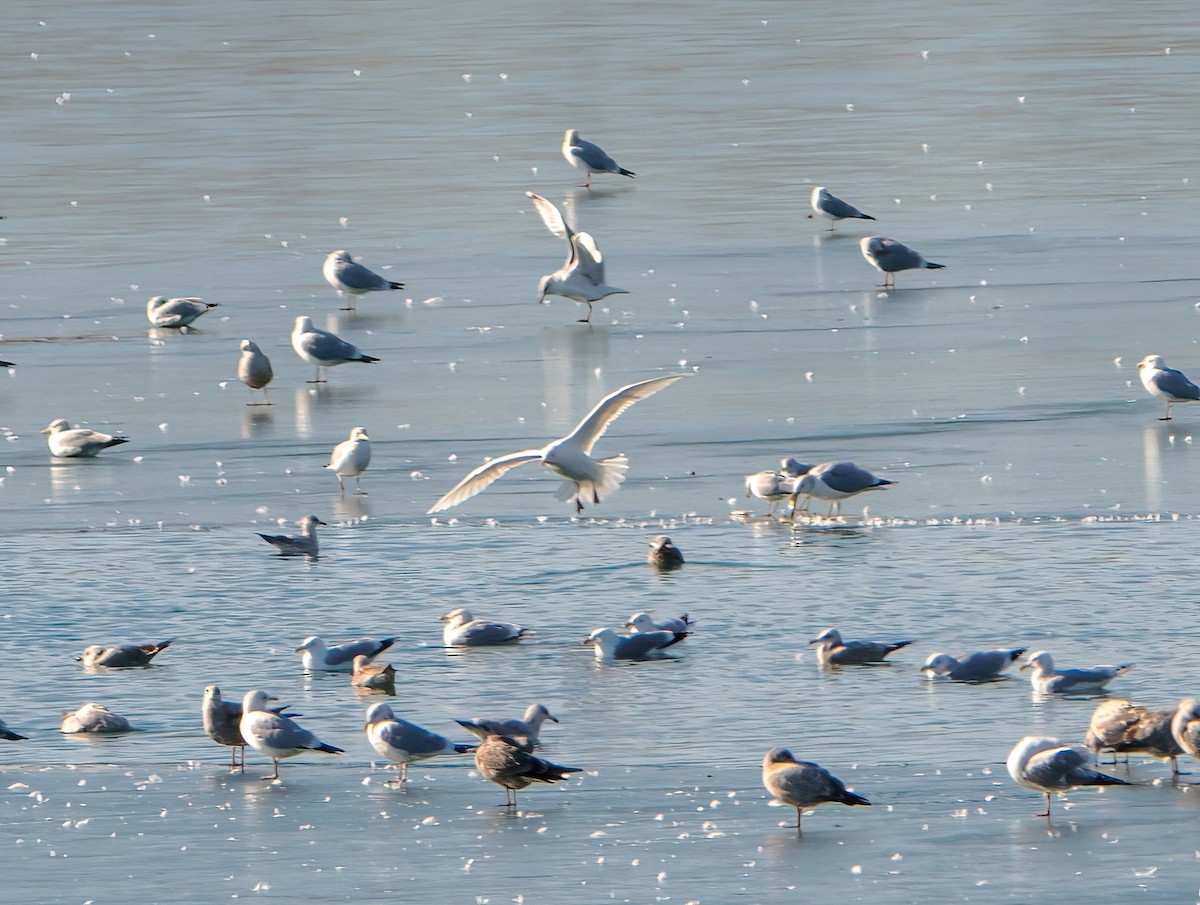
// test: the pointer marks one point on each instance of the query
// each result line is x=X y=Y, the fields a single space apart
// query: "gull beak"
x=1025 y=666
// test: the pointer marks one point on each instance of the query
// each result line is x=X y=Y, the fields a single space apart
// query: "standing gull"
x=350 y=459
x=353 y=280
x=222 y=723
x=1048 y=680
x=66 y=442
x=639 y=646
x=95 y=719
x=890 y=257
x=526 y=729
x=803 y=784
x=644 y=622
x=570 y=457
x=833 y=208
x=663 y=554
x=274 y=734
x=1046 y=765
x=581 y=278
x=770 y=486
x=164 y=312
x=979 y=666
x=1166 y=383
x=462 y=629
x=834 y=482
x=508 y=763
x=403 y=742
x=585 y=156
x=1185 y=726
x=303 y=544
x=833 y=651
x=323 y=349
x=254 y=370
x=8 y=735
x=121 y=656
x=315 y=654
x=1123 y=727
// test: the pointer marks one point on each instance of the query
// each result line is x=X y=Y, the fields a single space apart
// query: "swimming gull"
x=1185 y=726
x=585 y=156
x=1046 y=765
x=1048 y=680
x=122 y=656
x=8 y=735
x=508 y=763
x=570 y=457
x=609 y=645
x=833 y=651
x=833 y=208
x=770 y=486
x=350 y=459
x=1166 y=383
x=663 y=554
x=834 y=482
x=803 y=784
x=303 y=544
x=275 y=735
x=526 y=729
x=644 y=622
x=978 y=666
x=403 y=742
x=890 y=257
x=373 y=676
x=351 y=279
x=66 y=442
x=315 y=654
x=254 y=370
x=222 y=723
x=323 y=349
x=462 y=629
x=581 y=277
x=95 y=719
x=164 y=312
x=1123 y=727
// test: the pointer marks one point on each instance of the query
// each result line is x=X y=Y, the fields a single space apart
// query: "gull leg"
x=341 y=486
x=584 y=320
x=1047 y=813
x=799 y=815
x=358 y=487
x=1167 y=417
x=274 y=775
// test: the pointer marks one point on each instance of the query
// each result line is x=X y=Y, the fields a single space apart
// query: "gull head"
x=359 y=433
x=378 y=713
x=457 y=616
x=341 y=256
x=304 y=324
x=641 y=621
x=602 y=638
x=938 y=664
x=543 y=284
x=256 y=699
x=60 y=424
x=779 y=756
x=312 y=642
x=1039 y=659
x=1152 y=361
x=248 y=345
x=832 y=635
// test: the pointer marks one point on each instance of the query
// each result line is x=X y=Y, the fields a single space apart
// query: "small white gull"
x=833 y=209
x=1166 y=383
x=403 y=742
x=275 y=735
x=324 y=349
x=833 y=651
x=164 y=312
x=315 y=654
x=1047 y=680
x=1046 y=765
x=351 y=279
x=978 y=666
x=66 y=442
x=350 y=459
x=589 y=158
x=462 y=629
x=890 y=257
x=302 y=544
x=527 y=728
x=609 y=645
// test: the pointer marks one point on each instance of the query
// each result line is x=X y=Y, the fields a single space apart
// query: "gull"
x=373 y=676
x=94 y=718
x=121 y=656
x=639 y=646
x=323 y=349
x=527 y=727
x=8 y=735
x=664 y=554
x=275 y=735
x=303 y=544
x=1123 y=727
x=644 y=622
x=793 y=467
x=352 y=279
x=581 y=278
x=462 y=629
x=833 y=208
x=570 y=457
x=222 y=723
x=1048 y=680
x=585 y=156
x=1046 y=765
x=803 y=784
x=403 y=742
x=890 y=257
x=833 y=651
x=770 y=486
x=350 y=459
x=66 y=442
x=508 y=763
x=254 y=370
x=834 y=482
x=1166 y=383
x=314 y=653
x=164 y=312
x=979 y=666
x=1185 y=726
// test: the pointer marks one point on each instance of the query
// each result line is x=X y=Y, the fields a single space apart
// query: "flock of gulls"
x=504 y=747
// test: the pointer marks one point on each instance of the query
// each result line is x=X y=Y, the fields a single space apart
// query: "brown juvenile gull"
x=121 y=656
x=94 y=718
x=373 y=676
x=1047 y=765
x=1123 y=727
x=462 y=629
x=66 y=442
x=403 y=742
x=1185 y=726
x=315 y=654
x=164 y=312
x=979 y=666
x=525 y=729
x=508 y=763
x=275 y=735
x=890 y=257
x=803 y=784
x=664 y=554
x=302 y=544
x=833 y=651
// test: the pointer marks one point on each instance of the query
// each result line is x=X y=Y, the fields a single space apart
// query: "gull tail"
x=115 y=441
x=1082 y=776
x=865 y=217
x=852 y=798
x=367 y=359
x=625 y=172
x=544 y=771
x=328 y=749
x=929 y=265
x=392 y=285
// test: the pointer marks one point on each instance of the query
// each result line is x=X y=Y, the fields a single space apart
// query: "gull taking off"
x=833 y=208
x=803 y=784
x=322 y=348
x=890 y=257
x=66 y=442
x=350 y=459
x=254 y=370
x=164 y=312
x=569 y=457
x=1166 y=383
x=585 y=156
x=1047 y=765
x=353 y=280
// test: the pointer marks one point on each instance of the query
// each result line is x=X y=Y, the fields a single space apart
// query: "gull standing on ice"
x=164 y=312
x=223 y=724
x=979 y=666
x=322 y=348
x=1166 y=383
x=1123 y=727
x=585 y=156
x=770 y=486
x=274 y=734
x=639 y=646
x=8 y=735
x=527 y=728
x=462 y=629
x=644 y=622
x=833 y=208
x=303 y=544
x=1046 y=765
x=508 y=763
x=890 y=257
x=569 y=457
x=314 y=653
x=66 y=442
x=121 y=656
x=94 y=718
x=350 y=459
x=581 y=278
x=833 y=651
x=834 y=482
x=403 y=742
x=1048 y=680
x=352 y=279
x=803 y=784
x=254 y=370
x=664 y=554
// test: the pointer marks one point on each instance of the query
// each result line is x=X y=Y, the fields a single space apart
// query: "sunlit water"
x=221 y=151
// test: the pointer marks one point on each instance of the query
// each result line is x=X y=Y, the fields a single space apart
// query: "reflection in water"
x=68 y=479
x=572 y=356
x=352 y=508
x=257 y=422
x=308 y=399
x=1153 y=437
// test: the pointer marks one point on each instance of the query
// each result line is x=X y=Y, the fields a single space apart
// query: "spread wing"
x=586 y=253
x=550 y=216
x=483 y=476
x=592 y=428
